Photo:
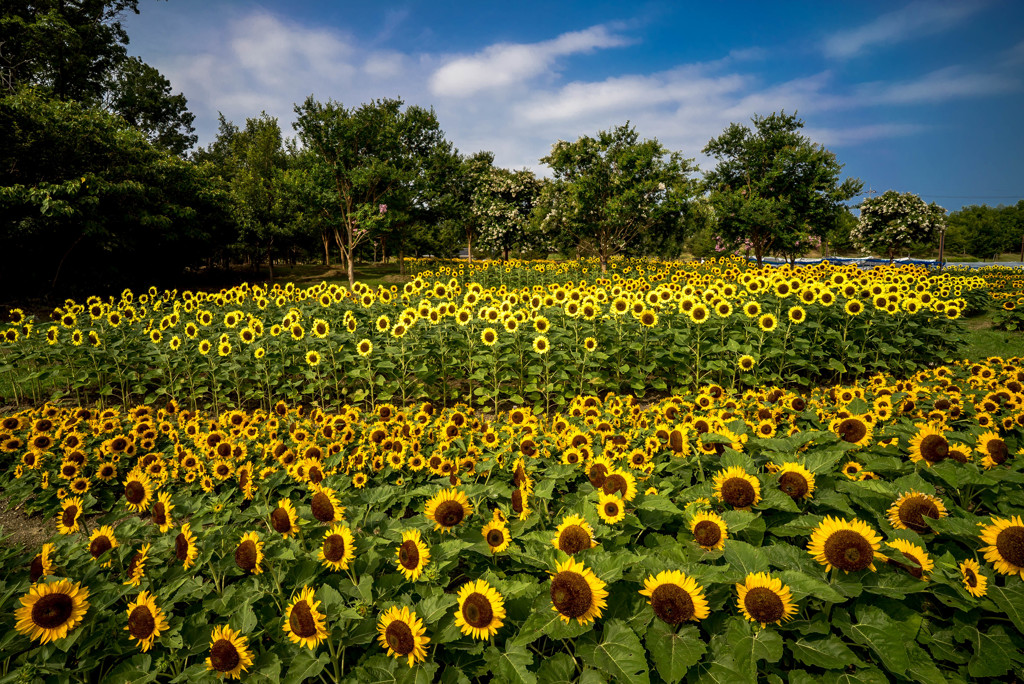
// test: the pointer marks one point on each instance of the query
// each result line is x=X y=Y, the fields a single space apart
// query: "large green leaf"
x=674 y=652
x=1010 y=600
x=510 y=664
x=618 y=653
x=829 y=653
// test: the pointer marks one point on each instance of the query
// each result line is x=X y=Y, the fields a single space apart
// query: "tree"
x=86 y=200
x=896 y=221
x=614 y=187
x=502 y=204
x=773 y=188
x=985 y=231
x=370 y=152
x=142 y=96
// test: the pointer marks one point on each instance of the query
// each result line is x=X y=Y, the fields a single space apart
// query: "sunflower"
x=284 y=519
x=1005 y=550
x=847 y=545
x=185 y=549
x=993 y=449
x=325 y=505
x=412 y=555
x=145 y=621
x=101 y=541
x=304 y=624
x=621 y=482
x=709 y=530
x=42 y=564
x=576 y=592
x=70 y=513
x=495 y=533
x=481 y=610
x=796 y=481
x=249 y=553
x=448 y=509
x=136 y=569
x=768 y=322
x=675 y=598
x=161 y=512
x=920 y=563
x=365 y=347
x=975 y=583
x=910 y=509
x=138 y=490
x=736 y=488
x=610 y=508
x=229 y=655
x=312 y=358
x=929 y=446
x=50 y=610
x=338 y=548
x=573 y=535
x=851 y=469
x=541 y=345
x=402 y=634
x=746 y=363
x=854 y=430
x=765 y=599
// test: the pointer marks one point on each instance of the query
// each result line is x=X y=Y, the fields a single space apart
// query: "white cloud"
x=856 y=135
x=920 y=18
x=505 y=64
x=938 y=86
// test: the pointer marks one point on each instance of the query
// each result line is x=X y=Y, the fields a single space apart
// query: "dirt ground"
x=28 y=532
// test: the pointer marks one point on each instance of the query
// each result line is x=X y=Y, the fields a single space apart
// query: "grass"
x=983 y=341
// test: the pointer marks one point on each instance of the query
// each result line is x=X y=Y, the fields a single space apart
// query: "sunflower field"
x=493 y=336
x=867 y=531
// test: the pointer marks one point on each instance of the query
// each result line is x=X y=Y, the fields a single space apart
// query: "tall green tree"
x=142 y=96
x=615 y=187
x=502 y=205
x=372 y=153
x=895 y=221
x=772 y=187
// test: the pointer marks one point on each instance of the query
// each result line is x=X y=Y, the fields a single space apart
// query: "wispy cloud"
x=941 y=85
x=917 y=19
x=504 y=64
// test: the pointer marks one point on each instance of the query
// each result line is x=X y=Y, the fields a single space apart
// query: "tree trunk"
x=469 y=247
x=604 y=257
x=383 y=250
x=401 y=259
x=327 y=248
x=270 y=264
x=504 y=253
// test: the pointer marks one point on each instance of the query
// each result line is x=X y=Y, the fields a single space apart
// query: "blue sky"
x=924 y=97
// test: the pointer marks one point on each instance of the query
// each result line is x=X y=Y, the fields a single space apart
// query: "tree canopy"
x=895 y=221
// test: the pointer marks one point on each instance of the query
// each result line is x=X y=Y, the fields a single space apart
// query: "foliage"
x=85 y=199
x=290 y=478
x=502 y=204
x=613 y=188
x=984 y=231
x=773 y=187
x=896 y=221
x=142 y=96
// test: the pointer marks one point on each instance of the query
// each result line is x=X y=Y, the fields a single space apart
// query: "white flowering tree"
x=895 y=221
x=502 y=203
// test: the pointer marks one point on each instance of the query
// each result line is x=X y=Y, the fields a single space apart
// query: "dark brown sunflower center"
x=99 y=546
x=574 y=538
x=517 y=501
x=672 y=604
x=135 y=564
x=571 y=594
x=914 y=568
x=35 y=570
x=848 y=550
x=301 y=620
x=934 y=448
x=399 y=637
x=409 y=554
x=180 y=547
x=224 y=656
x=971 y=578
x=245 y=555
x=495 y=538
x=159 y=513
x=958 y=456
x=315 y=475
x=52 y=610
x=793 y=484
x=852 y=430
x=598 y=475
x=997 y=450
x=449 y=513
x=611 y=509
x=738 y=492
x=141 y=622
x=281 y=521
x=67 y=518
x=615 y=484
x=135 y=492
x=334 y=548
x=323 y=509
x=1010 y=545
x=764 y=605
x=913 y=510
x=707 y=533
x=477 y=611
